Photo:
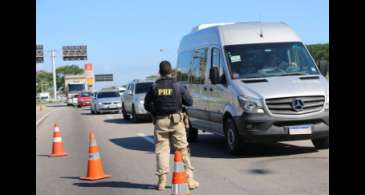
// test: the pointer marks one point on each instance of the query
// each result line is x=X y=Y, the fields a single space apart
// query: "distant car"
x=106 y=101
x=44 y=96
x=84 y=99
x=69 y=101
x=133 y=99
x=74 y=101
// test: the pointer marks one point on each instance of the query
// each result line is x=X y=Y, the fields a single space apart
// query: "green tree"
x=67 y=69
x=43 y=80
x=319 y=51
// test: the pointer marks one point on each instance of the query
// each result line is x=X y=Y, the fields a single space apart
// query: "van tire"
x=232 y=137
x=321 y=143
x=124 y=113
x=192 y=134
x=135 y=118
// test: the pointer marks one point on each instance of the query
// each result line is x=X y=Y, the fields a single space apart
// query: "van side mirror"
x=323 y=67
x=128 y=92
x=214 y=75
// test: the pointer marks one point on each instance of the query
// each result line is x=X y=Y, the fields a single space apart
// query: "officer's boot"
x=192 y=183
x=162 y=182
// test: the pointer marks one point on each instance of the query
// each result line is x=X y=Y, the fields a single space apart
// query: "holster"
x=176 y=118
x=186 y=120
x=153 y=119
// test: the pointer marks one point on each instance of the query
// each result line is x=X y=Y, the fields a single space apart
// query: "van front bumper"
x=263 y=127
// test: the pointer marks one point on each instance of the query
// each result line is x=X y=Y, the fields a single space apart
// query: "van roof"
x=238 y=33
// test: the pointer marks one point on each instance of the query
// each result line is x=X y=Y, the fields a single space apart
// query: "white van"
x=252 y=82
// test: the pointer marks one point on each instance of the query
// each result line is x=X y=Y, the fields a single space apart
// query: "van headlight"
x=250 y=105
x=327 y=104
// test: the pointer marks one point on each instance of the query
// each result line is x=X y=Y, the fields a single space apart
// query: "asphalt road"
x=127 y=154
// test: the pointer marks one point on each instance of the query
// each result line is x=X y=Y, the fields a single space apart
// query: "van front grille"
x=284 y=106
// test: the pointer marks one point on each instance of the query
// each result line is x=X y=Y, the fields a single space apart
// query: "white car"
x=74 y=100
x=106 y=101
x=133 y=99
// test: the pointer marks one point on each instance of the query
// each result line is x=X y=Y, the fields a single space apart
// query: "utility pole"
x=53 y=57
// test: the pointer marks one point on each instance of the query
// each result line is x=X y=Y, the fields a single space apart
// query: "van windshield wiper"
x=293 y=74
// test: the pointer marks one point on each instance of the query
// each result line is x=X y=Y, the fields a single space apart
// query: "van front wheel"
x=322 y=143
x=192 y=134
x=232 y=138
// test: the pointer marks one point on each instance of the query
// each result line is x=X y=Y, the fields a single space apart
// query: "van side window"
x=183 y=66
x=218 y=61
x=199 y=66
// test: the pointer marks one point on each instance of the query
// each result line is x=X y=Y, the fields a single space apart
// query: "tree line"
x=44 y=79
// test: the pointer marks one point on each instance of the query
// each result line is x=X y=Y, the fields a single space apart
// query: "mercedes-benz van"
x=253 y=82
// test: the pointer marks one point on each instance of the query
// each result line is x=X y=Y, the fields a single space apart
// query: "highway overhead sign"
x=103 y=77
x=71 y=53
x=39 y=54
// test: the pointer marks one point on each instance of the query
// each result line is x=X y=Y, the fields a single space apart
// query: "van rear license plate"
x=300 y=130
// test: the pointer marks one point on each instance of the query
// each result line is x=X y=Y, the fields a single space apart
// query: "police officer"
x=164 y=101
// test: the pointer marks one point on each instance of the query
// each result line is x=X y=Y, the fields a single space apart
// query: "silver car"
x=133 y=100
x=106 y=101
x=253 y=82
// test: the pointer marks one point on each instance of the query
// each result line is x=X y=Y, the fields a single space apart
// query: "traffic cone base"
x=57 y=155
x=95 y=178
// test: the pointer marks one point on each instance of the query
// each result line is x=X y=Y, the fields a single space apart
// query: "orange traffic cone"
x=57 y=146
x=95 y=169
x=179 y=182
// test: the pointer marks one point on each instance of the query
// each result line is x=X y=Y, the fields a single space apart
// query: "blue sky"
x=125 y=37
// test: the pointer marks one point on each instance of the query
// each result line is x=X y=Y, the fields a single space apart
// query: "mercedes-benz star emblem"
x=297 y=105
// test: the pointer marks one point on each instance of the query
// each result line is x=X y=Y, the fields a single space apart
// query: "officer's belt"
x=167 y=115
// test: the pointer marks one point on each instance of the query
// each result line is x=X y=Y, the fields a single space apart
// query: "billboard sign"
x=89 y=73
x=88 y=67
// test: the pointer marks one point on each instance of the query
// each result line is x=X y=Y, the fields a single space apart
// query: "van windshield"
x=269 y=59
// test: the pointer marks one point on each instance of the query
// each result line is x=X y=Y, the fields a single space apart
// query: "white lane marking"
x=147 y=138
x=43 y=117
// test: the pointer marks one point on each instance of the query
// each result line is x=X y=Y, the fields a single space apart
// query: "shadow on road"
x=123 y=121
x=43 y=155
x=260 y=171
x=213 y=146
x=86 y=113
x=117 y=184
x=134 y=143
x=57 y=105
